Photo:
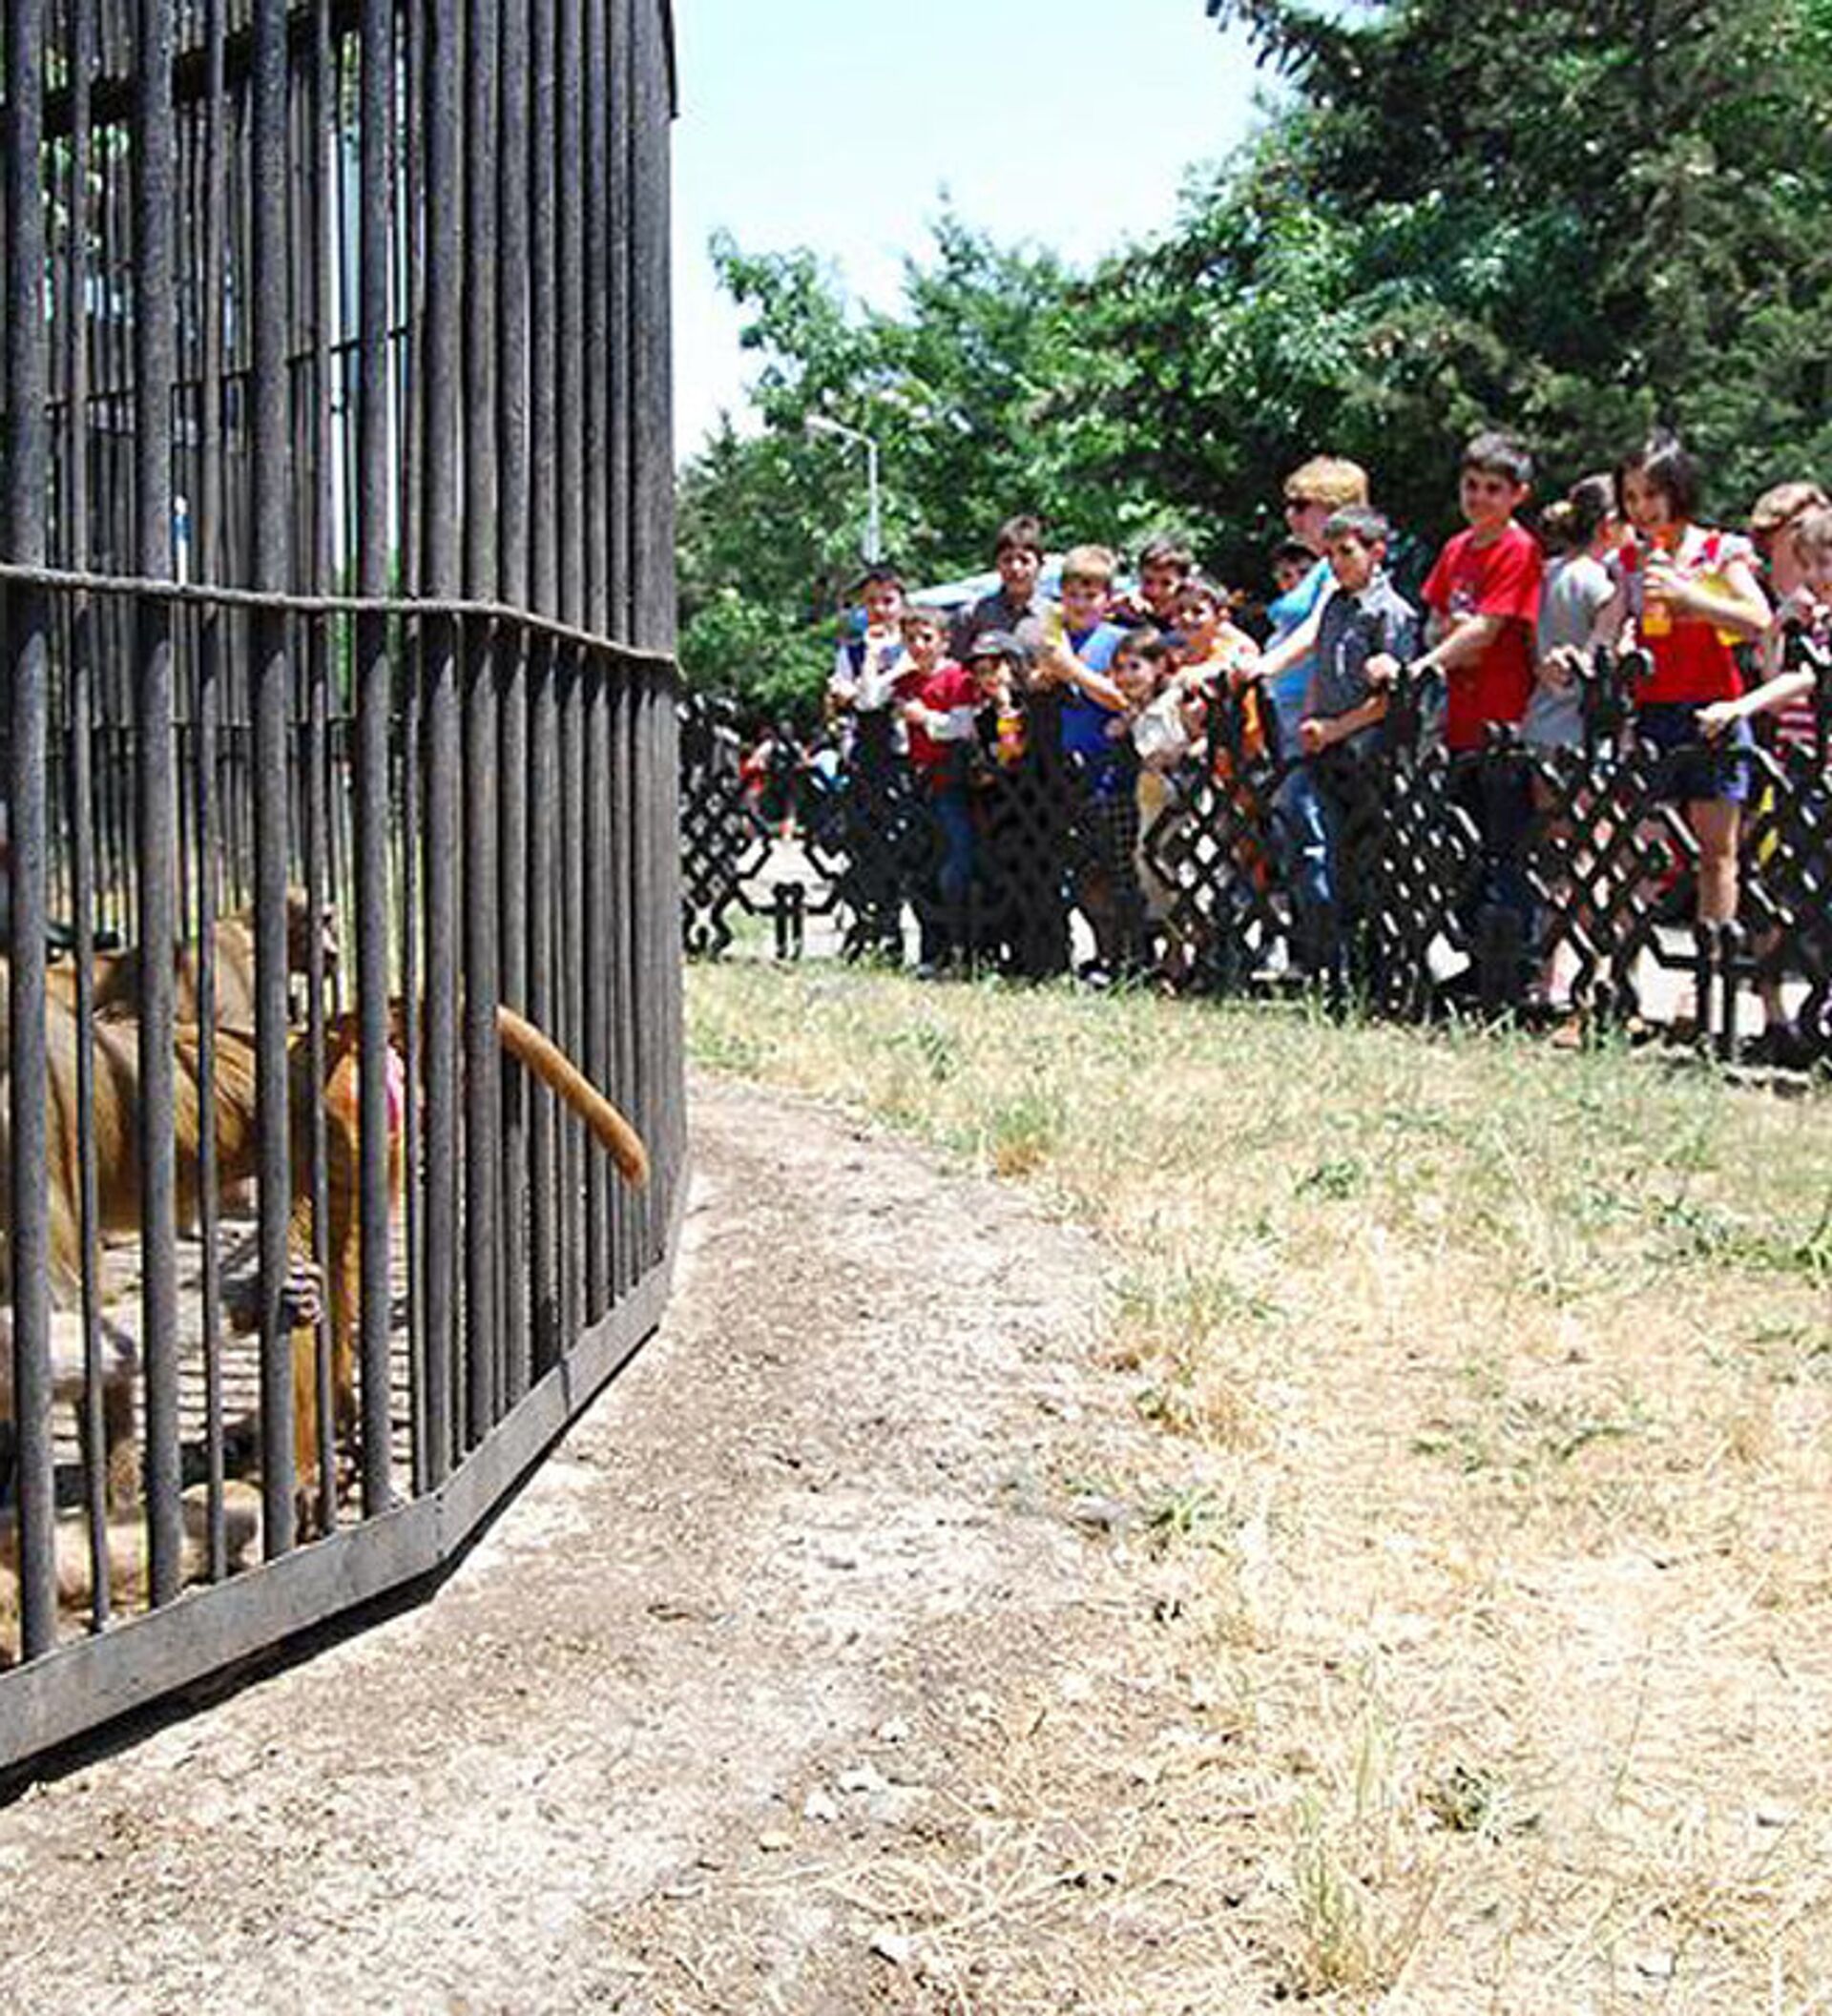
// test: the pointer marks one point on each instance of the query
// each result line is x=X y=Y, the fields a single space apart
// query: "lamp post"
x=821 y=423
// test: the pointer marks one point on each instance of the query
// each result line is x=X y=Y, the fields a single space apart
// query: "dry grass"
x=1510 y=1377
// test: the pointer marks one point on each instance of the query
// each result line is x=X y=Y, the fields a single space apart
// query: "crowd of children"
x=1146 y=689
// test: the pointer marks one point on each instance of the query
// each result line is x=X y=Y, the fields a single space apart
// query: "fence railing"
x=1508 y=880
x=344 y=1124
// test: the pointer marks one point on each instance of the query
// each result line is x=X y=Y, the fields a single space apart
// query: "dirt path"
x=804 y=1677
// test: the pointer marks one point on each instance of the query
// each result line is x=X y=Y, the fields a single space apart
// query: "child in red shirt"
x=1483 y=596
x=937 y=699
x=938 y=704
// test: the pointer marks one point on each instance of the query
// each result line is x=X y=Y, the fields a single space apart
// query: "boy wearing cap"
x=1020 y=815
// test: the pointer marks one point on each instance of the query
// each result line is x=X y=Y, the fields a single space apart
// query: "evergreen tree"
x=1571 y=219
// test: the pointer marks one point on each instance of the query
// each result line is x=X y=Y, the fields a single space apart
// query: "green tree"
x=1571 y=219
x=984 y=398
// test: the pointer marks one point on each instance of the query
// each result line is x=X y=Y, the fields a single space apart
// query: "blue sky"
x=836 y=124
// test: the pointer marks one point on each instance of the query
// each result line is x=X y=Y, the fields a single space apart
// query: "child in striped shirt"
x=1802 y=581
x=1801 y=572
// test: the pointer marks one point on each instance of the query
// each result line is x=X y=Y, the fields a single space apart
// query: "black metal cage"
x=337 y=605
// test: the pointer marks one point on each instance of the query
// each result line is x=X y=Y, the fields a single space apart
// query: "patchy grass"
x=1510 y=1379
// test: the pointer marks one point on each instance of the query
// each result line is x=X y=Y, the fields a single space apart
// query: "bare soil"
x=826 y=1666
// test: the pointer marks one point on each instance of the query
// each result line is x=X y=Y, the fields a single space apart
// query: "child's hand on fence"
x=1051 y=666
x=1315 y=735
x=1717 y=718
x=1559 y=669
x=1380 y=671
x=1802 y=610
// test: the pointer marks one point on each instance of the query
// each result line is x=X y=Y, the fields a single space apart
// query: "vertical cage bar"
x=543 y=311
x=599 y=790
x=543 y=1147
x=98 y=1403
x=27 y=615
x=572 y=894
x=618 y=469
x=410 y=394
x=628 y=901
x=638 y=1052
x=413 y=1048
x=208 y=519
x=320 y=112
x=410 y=292
x=653 y=563
x=570 y=225
x=482 y=1067
x=624 y=897
x=597 y=1006
x=154 y=364
x=543 y=555
x=443 y=556
x=271 y=473
x=483 y=982
x=513 y=559
x=374 y=702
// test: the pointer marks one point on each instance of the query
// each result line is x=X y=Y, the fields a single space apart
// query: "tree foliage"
x=1573 y=219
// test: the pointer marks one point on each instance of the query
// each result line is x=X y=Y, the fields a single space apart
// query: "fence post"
x=1731 y=964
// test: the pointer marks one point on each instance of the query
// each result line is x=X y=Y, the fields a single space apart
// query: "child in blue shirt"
x=1078 y=657
x=1315 y=489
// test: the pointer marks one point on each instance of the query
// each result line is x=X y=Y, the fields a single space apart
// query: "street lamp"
x=821 y=423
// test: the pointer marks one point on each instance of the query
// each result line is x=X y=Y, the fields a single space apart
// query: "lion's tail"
x=554 y=1069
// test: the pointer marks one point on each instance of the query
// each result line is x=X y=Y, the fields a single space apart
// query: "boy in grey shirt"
x=1366 y=631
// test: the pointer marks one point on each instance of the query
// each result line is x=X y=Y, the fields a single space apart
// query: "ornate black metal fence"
x=336 y=602
x=1409 y=880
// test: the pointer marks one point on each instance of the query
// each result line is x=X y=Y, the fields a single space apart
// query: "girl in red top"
x=938 y=708
x=1691 y=594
